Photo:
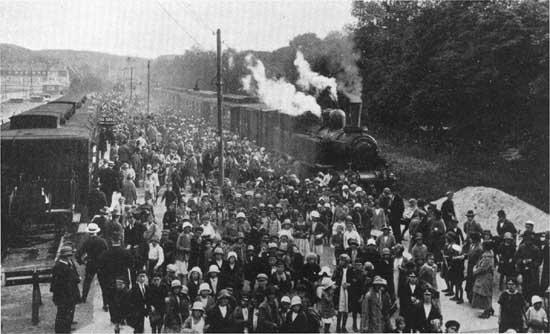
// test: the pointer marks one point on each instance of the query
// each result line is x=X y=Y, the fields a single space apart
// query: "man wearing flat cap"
x=64 y=287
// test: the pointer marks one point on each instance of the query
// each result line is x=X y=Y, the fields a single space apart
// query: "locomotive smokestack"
x=355 y=104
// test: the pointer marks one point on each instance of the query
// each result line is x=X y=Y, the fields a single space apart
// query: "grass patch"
x=425 y=173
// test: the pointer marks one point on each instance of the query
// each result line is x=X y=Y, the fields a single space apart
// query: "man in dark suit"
x=504 y=225
x=92 y=249
x=138 y=301
x=354 y=252
x=296 y=320
x=410 y=294
x=115 y=262
x=448 y=209
x=175 y=308
x=397 y=207
x=427 y=317
x=243 y=316
x=220 y=316
x=96 y=200
x=281 y=278
x=110 y=181
x=268 y=318
x=64 y=287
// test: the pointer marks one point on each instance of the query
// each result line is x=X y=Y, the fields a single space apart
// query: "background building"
x=23 y=81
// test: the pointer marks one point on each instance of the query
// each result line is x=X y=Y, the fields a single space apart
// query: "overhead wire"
x=199 y=19
x=179 y=25
x=194 y=16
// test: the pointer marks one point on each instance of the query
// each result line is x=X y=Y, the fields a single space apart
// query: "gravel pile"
x=487 y=201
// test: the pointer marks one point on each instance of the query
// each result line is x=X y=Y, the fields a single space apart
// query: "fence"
x=34 y=277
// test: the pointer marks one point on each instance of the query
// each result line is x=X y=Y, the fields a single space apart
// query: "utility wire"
x=178 y=24
x=200 y=21
x=194 y=16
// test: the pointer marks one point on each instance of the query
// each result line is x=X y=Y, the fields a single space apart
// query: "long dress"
x=483 y=285
x=301 y=237
x=511 y=311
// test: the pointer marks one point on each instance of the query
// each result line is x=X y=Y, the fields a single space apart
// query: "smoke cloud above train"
x=277 y=94
x=308 y=79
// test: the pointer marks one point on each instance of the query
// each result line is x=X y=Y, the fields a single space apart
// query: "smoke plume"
x=344 y=65
x=277 y=94
x=308 y=79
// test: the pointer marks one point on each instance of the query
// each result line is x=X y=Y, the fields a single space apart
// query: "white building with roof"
x=23 y=81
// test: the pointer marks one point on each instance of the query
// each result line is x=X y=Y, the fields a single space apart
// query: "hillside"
x=80 y=63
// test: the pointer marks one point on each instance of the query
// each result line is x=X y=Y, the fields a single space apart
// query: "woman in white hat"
x=196 y=322
x=301 y=234
x=286 y=229
x=233 y=272
x=194 y=281
x=296 y=320
x=536 y=318
x=318 y=231
x=326 y=307
x=351 y=233
x=205 y=297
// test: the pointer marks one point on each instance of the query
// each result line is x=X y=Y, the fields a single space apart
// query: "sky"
x=143 y=28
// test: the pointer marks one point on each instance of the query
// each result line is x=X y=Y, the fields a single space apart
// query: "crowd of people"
x=273 y=250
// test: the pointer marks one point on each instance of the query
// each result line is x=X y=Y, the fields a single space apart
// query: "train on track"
x=46 y=164
x=336 y=141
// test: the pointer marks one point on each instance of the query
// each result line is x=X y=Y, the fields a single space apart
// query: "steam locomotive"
x=333 y=142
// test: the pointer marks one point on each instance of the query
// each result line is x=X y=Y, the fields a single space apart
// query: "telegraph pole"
x=131 y=83
x=219 y=84
x=148 y=82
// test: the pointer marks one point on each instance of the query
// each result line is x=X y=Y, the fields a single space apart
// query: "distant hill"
x=80 y=63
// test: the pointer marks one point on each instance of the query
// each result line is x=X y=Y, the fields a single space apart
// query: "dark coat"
x=238 y=320
x=221 y=285
x=155 y=297
x=448 y=210
x=299 y=325
x=119 y=306
x=359 y=257
x=507 y=226
x=233 y=277
x=193 y=289
x=284 y=285
x=96 y=201
x=176 y=313
x=405 y=303
x=64 y=285
x=422 y=322
x=355 y=291
x=114 y=262
x=218 y=323
x=252 y=268
x=93 y=247
x=268 y=318
x=138 y=300
x=337 y=278
x=375 y=312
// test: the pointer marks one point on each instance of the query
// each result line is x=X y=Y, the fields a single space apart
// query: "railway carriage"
x=46 y=163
